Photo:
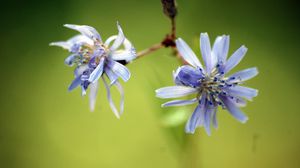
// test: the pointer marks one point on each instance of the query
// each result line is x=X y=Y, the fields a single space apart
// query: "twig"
x=149 y=50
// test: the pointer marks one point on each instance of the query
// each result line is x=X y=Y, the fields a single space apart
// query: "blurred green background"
x=44 y=126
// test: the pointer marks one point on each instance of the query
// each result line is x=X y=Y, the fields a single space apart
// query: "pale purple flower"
x=210 y=85
x=93 y=58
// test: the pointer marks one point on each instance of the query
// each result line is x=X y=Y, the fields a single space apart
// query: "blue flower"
x=210 y=85
x=93 y=58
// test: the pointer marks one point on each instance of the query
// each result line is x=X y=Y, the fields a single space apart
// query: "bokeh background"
x=44 y=126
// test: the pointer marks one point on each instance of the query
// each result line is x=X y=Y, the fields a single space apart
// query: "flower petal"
x=188 y=76
x=207 y=118
x=97 y=73
x=63 y=44
x=175 y=91
x=121 y=91
x=233 y=109
x=197 y=118
x=119 y=70
x=242 y=91
x=111 y=103
x=208 y=58
x=119 y=40
x=243 y=75
x=111 y=75
x=215 y=121
x=187 y=53
x=93 y=94
x=220 y=48
x=71 y=59
x=75 y=83
x=85 y=30
x=236 y=57
x=179 y=102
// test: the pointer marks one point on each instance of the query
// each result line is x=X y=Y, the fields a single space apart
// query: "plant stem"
x=149 y=50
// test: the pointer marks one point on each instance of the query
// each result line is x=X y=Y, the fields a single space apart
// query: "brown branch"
x=149 y=50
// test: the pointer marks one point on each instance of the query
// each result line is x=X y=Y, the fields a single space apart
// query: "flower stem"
x=149 y=50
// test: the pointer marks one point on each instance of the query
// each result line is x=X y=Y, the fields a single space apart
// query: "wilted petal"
x=179 y=102
x=63 y=44
x=111 y=103
x=175 y=91
x=242 y=91
x=243 y=75
x=187 y=53
x=236 y=57
x=75 y=83
x=119 y=40
x=208 y=58
x=97 y=73
x=119 y=70
x=85 y=30
x=93 y=94
x=188 y=76
x=121 y=91
x=233 y=109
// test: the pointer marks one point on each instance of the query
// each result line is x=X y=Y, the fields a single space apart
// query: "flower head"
x=209 y=83
x=93 y=58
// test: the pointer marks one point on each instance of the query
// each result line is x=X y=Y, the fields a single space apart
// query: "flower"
x=209 y=83
x=93 y=59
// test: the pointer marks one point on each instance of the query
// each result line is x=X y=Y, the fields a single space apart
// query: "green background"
x=44 y=126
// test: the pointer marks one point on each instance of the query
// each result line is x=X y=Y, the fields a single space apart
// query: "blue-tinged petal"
x=197 y=118
x=111 y=103
x=175 y=91
x=93 y=94
x=111 y=75
x=243 y=75
x=241 y=91
x=236 y=57
x=220 y=48
x=71 y=59
x=179 y=102
x=233 y=109
x=119 y=70
x=80 y=69
x=123 y=55
x=237 y=101
x=121 y=91
x=188 y=76
x=97 y=73
x=208 y=58
x=119 y=40
x=207 y=118
x=75 y=83
x=187 y=53
x=85 y=30
x=63 y=44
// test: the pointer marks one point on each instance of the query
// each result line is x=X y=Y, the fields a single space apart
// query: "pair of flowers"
x=95 y=59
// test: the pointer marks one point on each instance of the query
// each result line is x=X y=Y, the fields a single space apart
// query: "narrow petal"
x=187 y=53
x=71 y=59
x=119 y=40
x=243 y=75
x=236 y=57
x=75 y=83
x=208 y=58
x=93 y=94
x=119 y=70
x=197 y=118
x=111 y=103
x=121 y=91
x=63 y=44
x=242 y=91
x=208 y=114
x=215 y=120
x=124 y=55
x=175 y=91
x=233 y=109
x=179 y=102
x=85 y=30
x=97 y=73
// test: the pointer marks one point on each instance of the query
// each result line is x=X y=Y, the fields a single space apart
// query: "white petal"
x=121 y=91
x=111 y=103
x=88 y=31
x=63 y=44
x=179 y=102
x=93 y=94
x=208 y=58
x=175 y=91
x=236 y=57
x=187 y=53
x=119 y=40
